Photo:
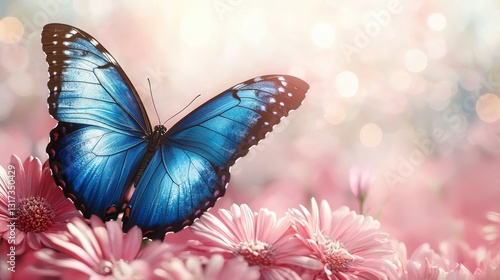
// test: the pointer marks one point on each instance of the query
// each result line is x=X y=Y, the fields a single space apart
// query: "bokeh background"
x=406 y=90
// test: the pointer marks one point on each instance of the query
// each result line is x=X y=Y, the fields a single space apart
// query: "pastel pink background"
x=408 y=90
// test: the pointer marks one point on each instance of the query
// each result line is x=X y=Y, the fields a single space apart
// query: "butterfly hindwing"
x=176 y=187
x=190 y=170
x=98 y=144
x=94 y=176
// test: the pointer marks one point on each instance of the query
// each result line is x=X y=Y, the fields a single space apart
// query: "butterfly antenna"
x=182 y=109
x=152 y=98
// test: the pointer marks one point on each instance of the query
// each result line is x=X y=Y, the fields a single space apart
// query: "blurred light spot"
x=440 y=96
x=254 y=29
x=323 y=35
x=14 y=58
x=197 y=27
x=335 y=112
x=400 y=80
x=415 y=60
x=346 y=83
x=488 y=108
x=370 y=135
x=8 y=100
x=21 y=83
x=11 y=30
x=436 y=21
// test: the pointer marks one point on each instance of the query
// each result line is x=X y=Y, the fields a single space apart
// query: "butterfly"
x=109 y=160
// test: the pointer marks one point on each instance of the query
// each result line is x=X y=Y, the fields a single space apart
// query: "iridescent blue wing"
x=97 y=147
x=190 y=170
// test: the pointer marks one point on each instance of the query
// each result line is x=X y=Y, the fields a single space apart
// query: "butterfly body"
x=154 y=141
x=104 y=143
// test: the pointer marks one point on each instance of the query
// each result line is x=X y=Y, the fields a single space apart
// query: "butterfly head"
x=160 y=129
x=156 y=137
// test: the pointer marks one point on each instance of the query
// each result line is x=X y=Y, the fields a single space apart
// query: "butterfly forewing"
x=99 y=141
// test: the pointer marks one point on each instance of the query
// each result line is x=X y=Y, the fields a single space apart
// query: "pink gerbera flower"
x=213 y=268
x=350 y=246
x=425 y=263
x=31 y=205
x=100 y=251
x=260 y=238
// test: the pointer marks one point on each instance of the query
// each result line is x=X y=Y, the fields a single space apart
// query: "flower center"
x=256 y=253
x=34 y=214
x=337 y=257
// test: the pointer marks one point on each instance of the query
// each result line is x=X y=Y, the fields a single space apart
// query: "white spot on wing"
x=94 y=42
x=71 y=33
x=238 y=86
x=109 y=57
x=257 y=79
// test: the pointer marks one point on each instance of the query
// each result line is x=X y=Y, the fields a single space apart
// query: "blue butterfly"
x=104 y=150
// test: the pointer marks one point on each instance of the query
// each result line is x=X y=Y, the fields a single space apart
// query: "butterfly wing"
x=189 y=172
x=99 y=142
x=175 y=188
